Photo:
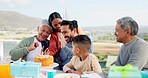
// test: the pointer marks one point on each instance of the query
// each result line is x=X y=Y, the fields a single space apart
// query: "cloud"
x=62 y=0
x=24 y=2
x=5 y=0
x=10 y=5
x=20 y=2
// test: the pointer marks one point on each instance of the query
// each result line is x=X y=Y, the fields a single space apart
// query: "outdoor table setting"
x=24 y=70
x=35 y=70
x=52 y=73
x=31 y=70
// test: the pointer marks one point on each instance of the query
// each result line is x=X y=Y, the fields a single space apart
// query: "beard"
x=68 y=38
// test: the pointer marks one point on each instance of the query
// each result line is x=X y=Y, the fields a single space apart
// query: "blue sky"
x=86 y=12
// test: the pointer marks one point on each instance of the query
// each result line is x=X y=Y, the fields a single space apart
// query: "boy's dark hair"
x=83 y=40
x=72 y=24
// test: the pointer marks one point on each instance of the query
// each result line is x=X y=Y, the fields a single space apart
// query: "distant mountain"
x=111 y=29
x=10 y=20
x=97 y=29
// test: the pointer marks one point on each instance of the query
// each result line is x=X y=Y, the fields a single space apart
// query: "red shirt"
x=54 y=46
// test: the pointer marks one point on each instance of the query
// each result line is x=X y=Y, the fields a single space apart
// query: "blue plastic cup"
x=51 y=73
x=144 y=74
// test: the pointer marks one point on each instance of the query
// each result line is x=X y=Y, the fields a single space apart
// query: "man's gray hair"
x=128 y=22
x=45 y=22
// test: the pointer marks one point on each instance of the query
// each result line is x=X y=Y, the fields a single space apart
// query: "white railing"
x=5 y=48
x=1 y=50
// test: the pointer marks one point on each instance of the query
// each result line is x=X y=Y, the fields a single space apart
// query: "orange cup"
x=5 y=71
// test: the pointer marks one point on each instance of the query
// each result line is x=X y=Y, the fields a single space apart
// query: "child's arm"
x=77 y=72
x=67 y=67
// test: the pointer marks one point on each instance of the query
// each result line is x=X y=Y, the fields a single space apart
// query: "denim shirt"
x=65 y=56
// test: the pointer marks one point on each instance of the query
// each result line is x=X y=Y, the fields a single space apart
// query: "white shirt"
x=89 y=65
x=31 y=55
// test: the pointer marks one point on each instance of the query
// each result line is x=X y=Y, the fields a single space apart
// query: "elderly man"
x=134 y=50
x=30 y=47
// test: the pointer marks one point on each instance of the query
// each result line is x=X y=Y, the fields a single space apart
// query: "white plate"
x=66 y=75
x=50 y=67
x=91 y=75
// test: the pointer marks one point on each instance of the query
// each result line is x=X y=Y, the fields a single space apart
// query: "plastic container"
x=5 y=68
x=144 y=74
x=25 y=69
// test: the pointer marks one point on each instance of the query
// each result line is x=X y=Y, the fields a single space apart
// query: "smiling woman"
x=30 y=47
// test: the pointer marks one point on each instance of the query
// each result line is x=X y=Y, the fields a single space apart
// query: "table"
x=61 y=73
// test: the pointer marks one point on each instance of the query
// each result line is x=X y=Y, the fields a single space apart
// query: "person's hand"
x=46 y=52
x=70 y=71
x=62 y=40
x=77 y=72
x=33 y=46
